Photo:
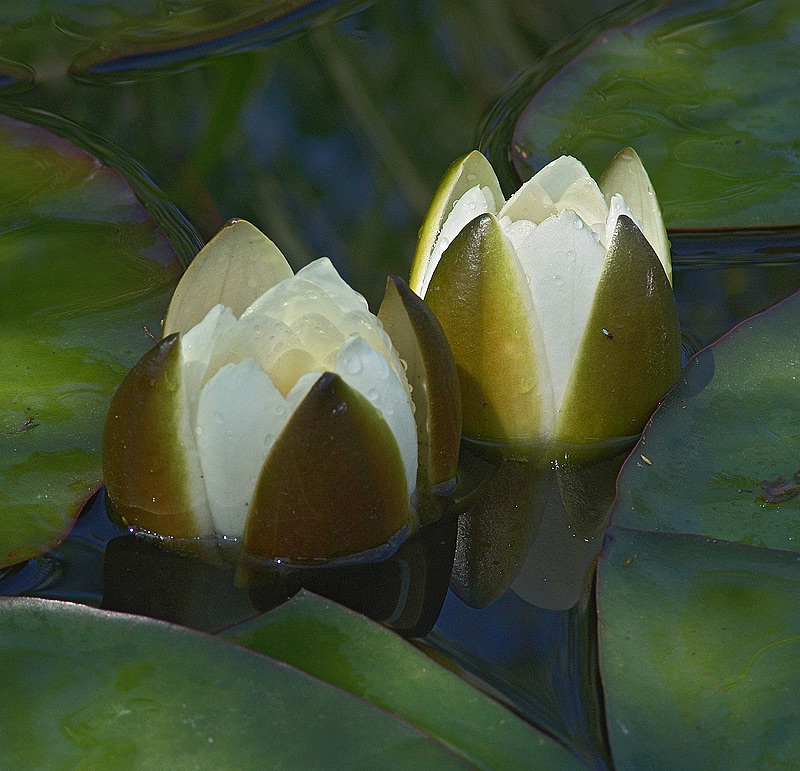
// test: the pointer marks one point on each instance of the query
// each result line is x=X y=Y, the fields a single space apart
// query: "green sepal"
x=150 y=464
x=630 y=353
x=234 y=268
x=480 y=296
x=333 y=484
x=462 y=175
x=627 y=176
x=431 y=371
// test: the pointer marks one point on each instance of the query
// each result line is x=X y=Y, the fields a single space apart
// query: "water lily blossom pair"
x=557 y=303
x=278 y=410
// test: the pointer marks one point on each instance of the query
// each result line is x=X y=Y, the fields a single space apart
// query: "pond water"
x=329 y=128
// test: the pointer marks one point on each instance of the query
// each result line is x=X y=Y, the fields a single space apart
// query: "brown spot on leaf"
x=781 y=489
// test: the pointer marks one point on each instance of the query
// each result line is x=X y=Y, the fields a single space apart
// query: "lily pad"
x=700 y=653
x=84 y=688
x=354 y=653
x=721 y=146
x=699 y=577
x=731 y=423
x=118 y=39
x=86 y=273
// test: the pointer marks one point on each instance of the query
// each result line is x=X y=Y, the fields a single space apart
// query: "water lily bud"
x=278 y=412
x=557 y=303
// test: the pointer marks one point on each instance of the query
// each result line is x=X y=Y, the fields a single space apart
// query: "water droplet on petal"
x=352 y=365
x=570 y=256
x=558 y=280
x=373 y=394
x=199 y=430
x=577 y=223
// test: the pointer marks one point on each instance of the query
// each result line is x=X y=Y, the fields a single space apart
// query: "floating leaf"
x=354 y=653
x=700 y=653
x=721 y=147
x=85 y=274
x=699 y=579
x=118 y=39
x=732 y=421
x=84 y=688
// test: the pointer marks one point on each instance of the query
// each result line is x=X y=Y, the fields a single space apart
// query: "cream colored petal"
x=258 y=337
x=366 y=370
x=369 y=327
x=240 y=413
x=563 y=263
x=293 y=298
x=318 y=335
x=531 y=202
x=323 y=274
x=569 y=185
x=234 y=268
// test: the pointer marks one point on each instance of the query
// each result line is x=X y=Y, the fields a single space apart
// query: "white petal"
x=322 y=273
x=476 y=201
x=364 y=369
x=318 y=335
x=570 y=187
x=197 y=349
x=293 y=298
x=240 y=413
x=531 y=202
x=563 y=262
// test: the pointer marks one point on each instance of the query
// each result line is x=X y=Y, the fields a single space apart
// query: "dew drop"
x=558 y=280
x=373 y=394
x=577 y=223
x=353 y=365
x=218 y=418
x=199 y=430
x=570 y=256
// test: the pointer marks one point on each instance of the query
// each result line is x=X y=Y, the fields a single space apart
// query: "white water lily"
x=557 y=303
x=276 y=410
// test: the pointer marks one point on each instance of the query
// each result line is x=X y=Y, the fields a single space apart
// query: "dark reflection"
x=405 y=592
x=535 y=526
x=141 y=575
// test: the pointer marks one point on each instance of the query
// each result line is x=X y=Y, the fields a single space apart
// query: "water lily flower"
x=278 y=410
x=557 y=303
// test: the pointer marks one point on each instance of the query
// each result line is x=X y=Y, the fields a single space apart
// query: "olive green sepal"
x=333 y=484
x=481 y=298
x=630 y=353
x=151 y=469
x=420 y=340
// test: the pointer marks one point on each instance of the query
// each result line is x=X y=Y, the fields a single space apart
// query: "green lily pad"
x=731 y=423
x=84 y=688
x=113 y=39
x=354 y=653
x=85 y=273
x=699 y=577
x=721 y=148
x=700 y=653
